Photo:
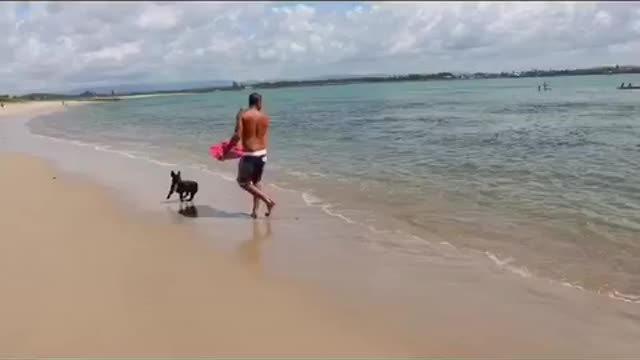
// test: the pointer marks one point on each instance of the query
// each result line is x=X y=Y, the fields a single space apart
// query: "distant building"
x=88 y=94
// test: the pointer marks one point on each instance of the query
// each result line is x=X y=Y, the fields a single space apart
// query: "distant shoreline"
x=236 y=86
x=444 y=76
x=138 y=96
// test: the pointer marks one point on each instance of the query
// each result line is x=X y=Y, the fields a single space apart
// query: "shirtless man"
x=252 y=128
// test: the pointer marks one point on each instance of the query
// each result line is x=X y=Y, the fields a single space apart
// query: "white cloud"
x=603 y=18
x=297 y=48
x=157 y=17
x=64 y=45
x=117 y=53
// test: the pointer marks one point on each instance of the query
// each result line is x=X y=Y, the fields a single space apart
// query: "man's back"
x=255 y=126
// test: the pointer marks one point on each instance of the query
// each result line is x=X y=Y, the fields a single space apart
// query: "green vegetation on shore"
x=605 y=70
x=88 y=95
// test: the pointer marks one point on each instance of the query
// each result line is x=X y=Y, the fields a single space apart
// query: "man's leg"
x=257 y=178
x=253 y=190
x=256 y=201
x=246 y=179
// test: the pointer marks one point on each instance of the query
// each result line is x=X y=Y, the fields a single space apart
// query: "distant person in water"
x=252 y=126
x=538 y=88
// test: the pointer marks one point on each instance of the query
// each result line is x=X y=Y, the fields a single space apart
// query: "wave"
x=311 y=200
x=522 y=271
x=327 y=209
x=107 y=148
x=634 y=299
x=507 y=265
x=161 y=163
x=306 y=175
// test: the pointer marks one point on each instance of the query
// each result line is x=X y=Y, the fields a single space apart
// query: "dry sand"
x=32 y=108
x=81 y=277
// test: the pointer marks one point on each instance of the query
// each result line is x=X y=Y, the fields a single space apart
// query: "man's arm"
x=266 y=134
x=237 y=133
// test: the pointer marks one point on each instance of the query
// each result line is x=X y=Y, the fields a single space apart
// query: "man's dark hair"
x=255 y=99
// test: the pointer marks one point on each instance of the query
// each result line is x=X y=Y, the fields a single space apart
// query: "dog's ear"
x=178 y=173
x=172 y=173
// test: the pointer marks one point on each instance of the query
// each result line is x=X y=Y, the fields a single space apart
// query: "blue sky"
x=70 y=45
x=22 y=10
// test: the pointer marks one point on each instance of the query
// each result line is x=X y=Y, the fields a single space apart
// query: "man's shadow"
x=250 y=250
x=205 y=211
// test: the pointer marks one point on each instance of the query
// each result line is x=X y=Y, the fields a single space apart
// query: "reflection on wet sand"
x=202 y=211
x=250 y=250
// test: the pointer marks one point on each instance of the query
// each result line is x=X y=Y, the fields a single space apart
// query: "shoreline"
x=504 y=260
x=447 y=319
x=151 y=288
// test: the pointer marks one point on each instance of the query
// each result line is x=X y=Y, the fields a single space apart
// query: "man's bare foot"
x=254 y=215
x=270 y=206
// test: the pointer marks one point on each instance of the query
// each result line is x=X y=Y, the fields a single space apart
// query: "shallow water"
x=541 y=183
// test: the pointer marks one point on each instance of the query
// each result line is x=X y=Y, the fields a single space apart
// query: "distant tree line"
x=450 y=76
x=235 y=86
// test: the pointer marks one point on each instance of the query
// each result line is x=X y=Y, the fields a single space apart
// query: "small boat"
x=628 y=87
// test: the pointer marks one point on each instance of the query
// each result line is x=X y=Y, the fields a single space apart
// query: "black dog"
x=182 y=187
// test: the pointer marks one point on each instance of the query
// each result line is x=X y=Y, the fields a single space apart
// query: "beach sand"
x=32 y=108
x=80 y=276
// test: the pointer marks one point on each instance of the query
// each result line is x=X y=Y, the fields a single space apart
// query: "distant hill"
x=151 y=88
x=317 y=78
x=347 y=76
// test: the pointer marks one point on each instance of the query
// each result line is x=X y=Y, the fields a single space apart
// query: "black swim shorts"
x=250 y=169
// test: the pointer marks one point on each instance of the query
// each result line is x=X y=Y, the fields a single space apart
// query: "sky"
x=60 y=45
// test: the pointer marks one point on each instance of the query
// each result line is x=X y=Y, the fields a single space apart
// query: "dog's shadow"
x=205 y=211
x=175 y=201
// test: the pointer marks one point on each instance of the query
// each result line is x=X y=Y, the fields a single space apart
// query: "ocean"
x=538 y=184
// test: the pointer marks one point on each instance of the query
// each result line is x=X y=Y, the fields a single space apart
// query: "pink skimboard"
x=216 y=151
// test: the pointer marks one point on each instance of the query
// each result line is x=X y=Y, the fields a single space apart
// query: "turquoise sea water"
x=543 y=183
